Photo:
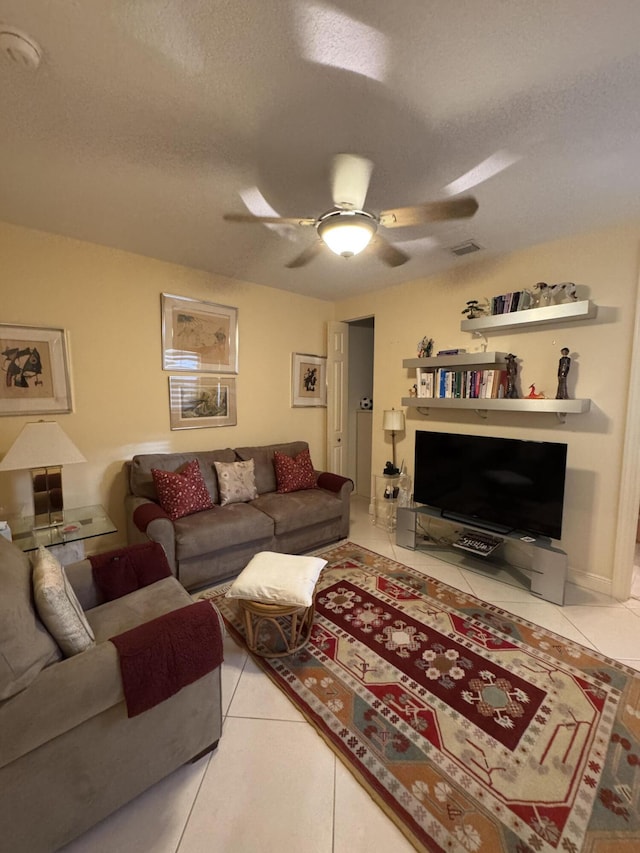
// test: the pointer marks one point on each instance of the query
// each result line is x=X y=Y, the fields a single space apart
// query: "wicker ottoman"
x=276 y=595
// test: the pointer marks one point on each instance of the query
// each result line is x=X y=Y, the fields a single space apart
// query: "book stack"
x=462 y=384
x=518 y=300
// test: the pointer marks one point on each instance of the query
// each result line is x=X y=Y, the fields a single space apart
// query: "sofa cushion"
x=182 y=492
x=114 y=617
x=236 y=482
x=58 y=605
x=26 y=647
x=294 y=473
x=297 y=510
x=141 y=480
x=220 y=528
x=278 y=578
x=263 y=460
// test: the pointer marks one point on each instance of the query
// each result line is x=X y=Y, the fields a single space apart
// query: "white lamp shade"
x=43 y=444
x=348 y=233
x=393 y=420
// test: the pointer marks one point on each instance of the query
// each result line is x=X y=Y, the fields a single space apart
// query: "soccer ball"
x=366 y=403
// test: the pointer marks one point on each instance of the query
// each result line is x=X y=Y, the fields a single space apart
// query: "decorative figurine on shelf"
x=543 y=294
x=512 y=372
x=563 y=293
x=473 y=309
x=563 y=369
x=390 y=470
x=425 y=347
x=413 y=391
x=533 y=395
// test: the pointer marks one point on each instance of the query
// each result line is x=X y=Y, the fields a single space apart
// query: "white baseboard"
x=595 y=583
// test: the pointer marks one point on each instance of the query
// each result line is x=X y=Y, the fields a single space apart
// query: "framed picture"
x=308 y=380
x=202 y=401
x=198 y=336
x=35 y=371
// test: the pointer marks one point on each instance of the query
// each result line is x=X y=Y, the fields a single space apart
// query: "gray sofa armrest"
x=62 y=696
x=146 y=520
x=339 y=486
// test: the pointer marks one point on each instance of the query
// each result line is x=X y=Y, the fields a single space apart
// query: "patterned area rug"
x=473 y=729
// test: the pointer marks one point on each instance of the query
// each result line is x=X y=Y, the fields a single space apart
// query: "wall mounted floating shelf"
x=559 y=407
x=464 y=361
x=568 y=312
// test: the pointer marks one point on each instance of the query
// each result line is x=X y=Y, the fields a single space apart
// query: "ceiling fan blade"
x=272 y=220
x=391 y=256
x=304 y=257
x=435 y=211
x=350 y=176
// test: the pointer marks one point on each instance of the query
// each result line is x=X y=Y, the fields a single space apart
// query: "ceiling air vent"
x=465 y=248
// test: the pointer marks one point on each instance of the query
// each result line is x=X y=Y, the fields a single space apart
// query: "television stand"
x=525 y=561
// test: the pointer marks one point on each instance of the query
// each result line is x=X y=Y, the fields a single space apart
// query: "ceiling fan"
x=347 y=229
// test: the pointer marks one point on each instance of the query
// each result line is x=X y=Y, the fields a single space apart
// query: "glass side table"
x=386 y=501
x=80 y=523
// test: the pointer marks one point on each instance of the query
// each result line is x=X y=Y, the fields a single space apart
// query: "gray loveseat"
x=215 y=544
x=69 y=754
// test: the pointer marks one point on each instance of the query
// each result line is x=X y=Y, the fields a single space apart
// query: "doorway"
x=350 y=381
x=360 y=389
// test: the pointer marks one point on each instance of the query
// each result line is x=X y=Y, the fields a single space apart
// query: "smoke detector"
x=19 y=48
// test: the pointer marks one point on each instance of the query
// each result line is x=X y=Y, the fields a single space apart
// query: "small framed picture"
x=202 y=401
x=35 y=371
x=308 y=380
x=198 y=336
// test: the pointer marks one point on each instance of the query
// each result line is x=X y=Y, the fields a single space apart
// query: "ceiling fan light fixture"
x=347 y=232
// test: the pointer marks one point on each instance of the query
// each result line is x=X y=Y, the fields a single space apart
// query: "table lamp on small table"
x=44 y=447
x=393 y=422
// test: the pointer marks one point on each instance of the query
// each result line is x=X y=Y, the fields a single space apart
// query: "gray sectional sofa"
x=214 y=544
x=69 y=754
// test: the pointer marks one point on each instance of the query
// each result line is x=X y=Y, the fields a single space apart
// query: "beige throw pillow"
x=58 y=606
x=236 y=482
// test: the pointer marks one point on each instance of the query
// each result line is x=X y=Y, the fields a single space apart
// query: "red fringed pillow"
x=182 y=492
x=294 y=473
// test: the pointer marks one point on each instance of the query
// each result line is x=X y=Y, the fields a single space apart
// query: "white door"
x=337 y=395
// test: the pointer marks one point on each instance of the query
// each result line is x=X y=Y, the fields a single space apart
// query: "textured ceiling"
x=148 y=120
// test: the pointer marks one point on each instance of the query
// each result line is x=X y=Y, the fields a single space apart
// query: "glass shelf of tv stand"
x=526 y=562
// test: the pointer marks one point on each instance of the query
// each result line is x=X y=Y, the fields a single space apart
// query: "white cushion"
x=58 y=606
x=278 y=579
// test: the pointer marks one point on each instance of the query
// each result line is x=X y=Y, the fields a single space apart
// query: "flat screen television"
x=499 y=484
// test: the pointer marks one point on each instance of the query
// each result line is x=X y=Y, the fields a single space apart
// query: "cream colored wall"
x=605 y=266
x=109 y=303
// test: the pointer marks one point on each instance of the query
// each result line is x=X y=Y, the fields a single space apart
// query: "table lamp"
x=43 y=447
x=393 y=422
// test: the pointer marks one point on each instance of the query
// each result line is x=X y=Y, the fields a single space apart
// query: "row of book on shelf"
x=471 y=384
x=519 y=300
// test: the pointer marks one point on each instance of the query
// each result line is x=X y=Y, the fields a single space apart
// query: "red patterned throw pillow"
x=182 y=492
x=294 y=473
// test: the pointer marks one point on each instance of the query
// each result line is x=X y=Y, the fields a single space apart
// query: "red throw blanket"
x=119 y=572
x=160 y=657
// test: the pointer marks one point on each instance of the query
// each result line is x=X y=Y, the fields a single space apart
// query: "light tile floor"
x=274 y=785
